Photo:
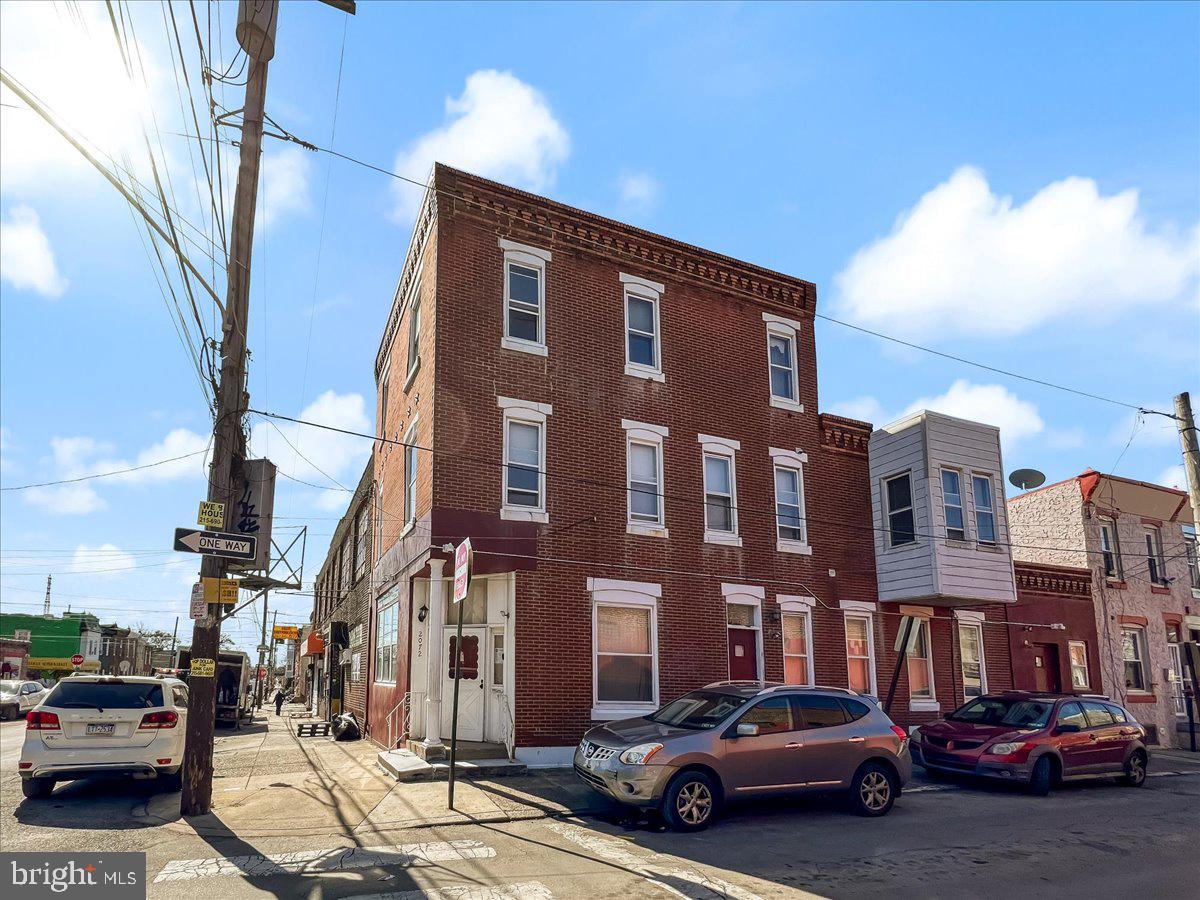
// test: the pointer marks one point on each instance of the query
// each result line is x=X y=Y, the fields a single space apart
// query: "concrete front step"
x=466 y=750
x=404 y=765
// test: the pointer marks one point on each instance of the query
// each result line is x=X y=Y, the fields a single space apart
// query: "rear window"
x=855 y=710
x=821 y=712
x=1118 y=714
x=1097 y=714
x=105 y=695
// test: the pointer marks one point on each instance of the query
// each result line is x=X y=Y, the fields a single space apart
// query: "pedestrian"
x=279 y=698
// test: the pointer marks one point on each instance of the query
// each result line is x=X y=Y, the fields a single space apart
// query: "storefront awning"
x=314 y=645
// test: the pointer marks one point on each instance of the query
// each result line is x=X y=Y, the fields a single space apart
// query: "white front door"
x=472 y=696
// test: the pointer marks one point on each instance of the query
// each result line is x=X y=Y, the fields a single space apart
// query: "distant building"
x=123 y=651
x=14 y=658
x=53 y=640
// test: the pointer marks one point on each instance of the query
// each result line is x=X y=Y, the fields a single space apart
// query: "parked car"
x=741 y=739
x=1036 y=738
x=96 y=725
x=18 y=697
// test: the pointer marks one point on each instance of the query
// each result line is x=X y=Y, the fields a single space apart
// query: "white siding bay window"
x=643 y=339
x=524 y=483
x=782 y=364
x=791 y=526
x=985 y=513
x=624 y=647
x=524 y=297
x=644 y=471
x=720 y=490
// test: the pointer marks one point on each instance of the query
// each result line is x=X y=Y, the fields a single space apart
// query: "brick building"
x=1138 y=543
x=332 y=651
x=1054 y=658
x=123 y=651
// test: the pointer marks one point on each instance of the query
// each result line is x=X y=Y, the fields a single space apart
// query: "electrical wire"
x=161 y=462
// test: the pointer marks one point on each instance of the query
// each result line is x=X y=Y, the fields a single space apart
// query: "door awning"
x=314 y=645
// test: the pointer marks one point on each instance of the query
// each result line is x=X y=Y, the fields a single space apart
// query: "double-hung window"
x=1110 y=550
x=414 y=337
x=952 y=503
x=985 y=513
x=1077 y=651
x=643 y=340
x=1134 y=655
x=860 y=653
x=644 y=472
x=1155 y=565
x=624 y=647
x=920 y=663
x=720 y=490
x=524 y=481
x=384 y=386
x=362 y=539
x=791 y=526
x=782 y=364
x=970 y=652
x=796 y=619
x=1192 y=557
x=524 y=297
x=387 y=622
x=897 y=492
x=410 y=475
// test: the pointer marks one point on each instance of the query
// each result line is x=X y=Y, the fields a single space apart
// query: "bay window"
x=956 y=528
x=985 y=513
x=897 y=492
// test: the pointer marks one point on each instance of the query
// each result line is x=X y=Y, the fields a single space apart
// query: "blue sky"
x=1017 y=184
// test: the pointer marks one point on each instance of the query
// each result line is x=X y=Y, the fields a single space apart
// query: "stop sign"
x=77 y=659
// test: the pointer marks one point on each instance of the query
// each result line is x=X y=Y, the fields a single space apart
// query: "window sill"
x=786 y=546
x=1115 y=584
x=784 y=403
x=1140 y=697
x=407 y=529
x=924 y=706
x=509 y=343
x=613 y=713
x=987 y=547
x=643 y=372
x=717 y=537
x=520 y=514
x=411 y=376
x=1159 y=589
x=646 y=529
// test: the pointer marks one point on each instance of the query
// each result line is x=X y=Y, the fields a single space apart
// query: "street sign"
x=199 y=607
x=77 y=659
x=254 y=509
x=285 y=633
x=215 y=543
x=462 y=570
x=211 y=515
x=262 y=648
x=220 y=590
x=203 y=668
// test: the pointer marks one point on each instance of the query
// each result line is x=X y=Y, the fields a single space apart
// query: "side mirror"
x=747 y=729
x=1066 y=729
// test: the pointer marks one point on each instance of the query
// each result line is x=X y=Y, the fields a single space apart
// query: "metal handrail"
x=406 y=703
x=509 y=734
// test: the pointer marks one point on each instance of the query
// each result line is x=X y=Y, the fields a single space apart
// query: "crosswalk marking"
x=521 y=890
x=307 y=862
x=662 y=871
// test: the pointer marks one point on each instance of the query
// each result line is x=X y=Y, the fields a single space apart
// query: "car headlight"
x=639 y=755
x=1007 y=748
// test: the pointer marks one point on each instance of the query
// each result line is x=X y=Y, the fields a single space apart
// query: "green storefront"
x=52 y=642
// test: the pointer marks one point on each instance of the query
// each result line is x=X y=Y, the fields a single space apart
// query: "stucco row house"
x=628 y=429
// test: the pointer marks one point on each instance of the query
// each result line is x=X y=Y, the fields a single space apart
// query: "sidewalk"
x=268 y=781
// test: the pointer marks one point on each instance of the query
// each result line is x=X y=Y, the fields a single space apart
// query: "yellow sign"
x=285 y=633
x=211 y=515
x=59 y=662
x=220 y=590
x=203 y=668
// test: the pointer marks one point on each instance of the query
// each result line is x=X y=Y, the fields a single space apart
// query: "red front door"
x=743 y=654
x=1045 y=668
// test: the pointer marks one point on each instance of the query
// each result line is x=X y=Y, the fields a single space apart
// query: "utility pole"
x=256 y=26
x=262 y=654
x=274 y=619
x=174 y=635
x=1191 y=469
x=46 y=605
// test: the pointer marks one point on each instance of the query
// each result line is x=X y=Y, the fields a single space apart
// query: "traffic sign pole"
x=462 y=581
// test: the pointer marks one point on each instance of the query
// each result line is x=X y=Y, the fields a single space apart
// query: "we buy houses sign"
x=462 y=570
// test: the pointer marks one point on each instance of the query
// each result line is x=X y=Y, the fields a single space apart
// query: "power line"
x=161 y=462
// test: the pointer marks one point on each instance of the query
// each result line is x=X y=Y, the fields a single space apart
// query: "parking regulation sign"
x=462 y=570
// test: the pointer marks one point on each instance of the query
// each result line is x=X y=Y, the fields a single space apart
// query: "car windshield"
x=1005 y=711
x=698 y=710
x=8 y=687
x=105 y=695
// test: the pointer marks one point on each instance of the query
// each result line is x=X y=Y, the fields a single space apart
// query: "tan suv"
x=737 y=739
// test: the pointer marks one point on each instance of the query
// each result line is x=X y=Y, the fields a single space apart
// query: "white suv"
x=98 y=725
x=18 y=697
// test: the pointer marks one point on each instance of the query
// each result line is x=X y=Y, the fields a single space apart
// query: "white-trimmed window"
x=385 y=381
x=362 y=539
x=387 y=623
x=860 y=646
x=970 y=652
x=414 y=339
x=897 y=495
x=410 y=475
x=624 y=647
x=643 y=336
x=1190 y=554
x=985 y=512
x=644 y=473
x=1155 y=564
x=524 y=483
x=720 y=489
x=524 y=297
x=791 y=525
x=1133 y=651
x=952 y=503
x=796 y=621
x=1110 y=550
x=919 y=663
x=1077 y=652
x=782 y=366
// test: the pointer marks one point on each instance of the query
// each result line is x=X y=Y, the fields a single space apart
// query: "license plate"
x=99 y=729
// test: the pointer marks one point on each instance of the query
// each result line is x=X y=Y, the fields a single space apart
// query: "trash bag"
x=345 y=727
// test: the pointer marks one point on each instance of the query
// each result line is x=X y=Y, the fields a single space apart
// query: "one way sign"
x=215 y=543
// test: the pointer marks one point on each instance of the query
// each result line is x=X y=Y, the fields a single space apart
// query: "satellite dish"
x=1026 y=479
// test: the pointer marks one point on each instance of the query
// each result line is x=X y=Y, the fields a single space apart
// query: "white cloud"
x=865 y=409
x=1065 y=438
x=639 y=191
x=107 y=559
x=500 y=127
x=969 y=261
x=1173 y=476
x=65 y=499
x=178 y=442
x=286 y=176
x=1154 y=431
x=26 y=260
x=991 y=404
x=312 y=454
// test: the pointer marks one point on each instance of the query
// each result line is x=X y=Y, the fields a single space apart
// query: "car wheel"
x=689 y=802
x=1042 y=777
x=1135 y=769
x=873 y=790
x=37 y=788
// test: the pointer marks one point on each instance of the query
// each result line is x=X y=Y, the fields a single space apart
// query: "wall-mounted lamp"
x=422 y=613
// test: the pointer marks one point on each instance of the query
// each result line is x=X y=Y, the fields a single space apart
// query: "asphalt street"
x=960 y=840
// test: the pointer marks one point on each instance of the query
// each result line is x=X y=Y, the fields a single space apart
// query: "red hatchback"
x=1039 y=739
